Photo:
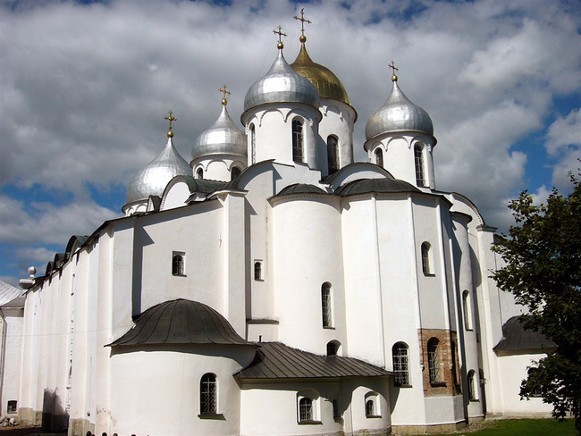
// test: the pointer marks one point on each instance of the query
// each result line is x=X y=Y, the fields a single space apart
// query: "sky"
x=84 y=87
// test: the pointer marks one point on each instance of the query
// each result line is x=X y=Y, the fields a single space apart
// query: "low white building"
x=274 y=286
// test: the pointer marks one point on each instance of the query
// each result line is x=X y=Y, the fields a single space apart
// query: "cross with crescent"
x=303 y=20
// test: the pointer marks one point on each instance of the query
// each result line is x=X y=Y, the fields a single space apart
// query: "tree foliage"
x=542 y=254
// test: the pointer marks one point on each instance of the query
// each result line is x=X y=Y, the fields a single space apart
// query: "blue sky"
x=84 y=87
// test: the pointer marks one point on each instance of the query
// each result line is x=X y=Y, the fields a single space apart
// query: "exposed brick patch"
x=447 y=362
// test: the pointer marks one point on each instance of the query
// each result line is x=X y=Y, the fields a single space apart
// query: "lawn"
x=524 y=427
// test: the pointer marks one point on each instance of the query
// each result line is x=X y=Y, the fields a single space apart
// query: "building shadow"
x=54 y=416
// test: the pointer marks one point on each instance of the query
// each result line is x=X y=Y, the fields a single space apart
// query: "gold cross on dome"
x=303 y=20
x=224 y=91
x=171 y=119
x=280 y=34
x=393 y=68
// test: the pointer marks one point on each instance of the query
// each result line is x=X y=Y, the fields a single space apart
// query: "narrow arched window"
x=332 y=154
x=332 y=348
x=426 y=267
x=200 y=173
x=234 y=172
x=379 y=156
x=253 y=142
x=258 y=270
x=454 y=355
x=419 y=162
x=306 y=409
x=297 y=139
x=400 y=364
x=372 y=405
x=467 y=307
x=369 y=408
x=472 y=385
x=208 y=394
x=177 y=264
x=433 y=360
x=326 y=305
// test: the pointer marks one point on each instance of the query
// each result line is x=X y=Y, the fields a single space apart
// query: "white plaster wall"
x=218 y=167
x=175 y=196
x=512 y=370
x=306 y=254
x=444 y=410
x=338 y=120
x=13 y=328
x=362 y=423
x=157 y=392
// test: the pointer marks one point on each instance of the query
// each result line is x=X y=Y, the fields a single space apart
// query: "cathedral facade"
x=272 y=285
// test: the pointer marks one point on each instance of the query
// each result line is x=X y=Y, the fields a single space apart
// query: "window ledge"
x=216 y=416
x=475 y=400
x=328 y=327
x=438 y=384
x=429 y=274
x=373 y=416
x=179 y=275
x=403 y=386
x=309 y=422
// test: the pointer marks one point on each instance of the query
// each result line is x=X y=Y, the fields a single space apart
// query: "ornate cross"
x=171 y=119
x=224 y=91
x=393 y=68
x=280 y=34
x=303 y=20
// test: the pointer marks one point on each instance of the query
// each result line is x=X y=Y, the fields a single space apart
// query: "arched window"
x=327 y=305
x=426 y=255
x=400 y=364
x=472 y=385
x=332 y=154
x=467 y=307
x=177 y=264
x=419 y=162
x=306 y=409
x=297 y=136
x=253 y=142
x=258 y=270
x=433 y=361
x=208 y=394
x=379 y=156
x=372 y=405
x=234 y=172
x=200 y=173
x=332 y=348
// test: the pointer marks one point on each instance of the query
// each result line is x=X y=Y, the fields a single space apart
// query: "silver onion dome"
x=281 y=85
x=154 y=177
x=224 y=137
x=398 y=114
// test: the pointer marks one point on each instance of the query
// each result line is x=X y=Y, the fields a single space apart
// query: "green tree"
x=542 y=253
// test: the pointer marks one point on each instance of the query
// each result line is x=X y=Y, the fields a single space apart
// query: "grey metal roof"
x=10 y=295
x=153 y=178
x=277 y=361
x=386 y=185
x=398 y=114
x=223 y=137
x=281 y=84
x=181 y=322
x=518 y=339
x=301 y=188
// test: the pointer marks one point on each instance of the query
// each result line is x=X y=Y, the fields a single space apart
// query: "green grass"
x=525 y=427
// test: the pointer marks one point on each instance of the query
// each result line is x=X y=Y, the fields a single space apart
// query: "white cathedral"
x=273 y=286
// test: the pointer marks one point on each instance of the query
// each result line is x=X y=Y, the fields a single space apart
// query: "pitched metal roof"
x=276 y=361
x=518 y=339
x=181 y=322
x=387 y=185
x=10 y=295
x=301 y=188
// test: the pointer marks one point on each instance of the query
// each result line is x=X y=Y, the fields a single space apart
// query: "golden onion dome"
x=324 y=80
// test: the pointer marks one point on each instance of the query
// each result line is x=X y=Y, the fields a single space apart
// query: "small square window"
x=12 y=406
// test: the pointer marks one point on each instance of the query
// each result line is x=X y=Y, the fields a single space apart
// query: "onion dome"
x=327 y=84
x=181 y=322
x=398 y=114
x=224 y=137
x=281 y=85
x=154 y=177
